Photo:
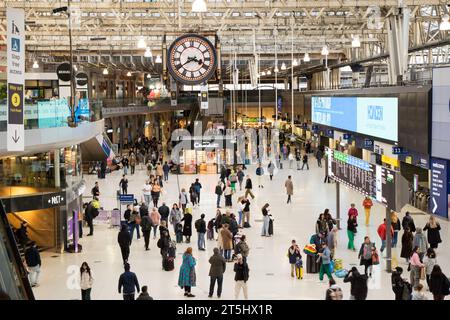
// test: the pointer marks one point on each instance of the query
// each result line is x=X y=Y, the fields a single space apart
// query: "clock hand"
x=189 y=59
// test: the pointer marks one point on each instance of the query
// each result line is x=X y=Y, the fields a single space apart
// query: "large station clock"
x=191 y=59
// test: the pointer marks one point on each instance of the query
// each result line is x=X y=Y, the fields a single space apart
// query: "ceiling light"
x=105 y=71
x=276 y=70
x=269 y=72
x=75 y=68
x=263 y=73
x=325 y=51
x=445 y=24
x=35 y=64
x=128 y=74
x=199 y=6
x=148 y=76
x=355 y=42
x=283 y=66
x=306 y=58
x=295 y=62
x=141 y=43
x=158 y=59
x=148 y=52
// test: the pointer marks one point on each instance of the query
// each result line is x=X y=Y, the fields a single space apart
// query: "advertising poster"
x=439 y=201
x=53 y=113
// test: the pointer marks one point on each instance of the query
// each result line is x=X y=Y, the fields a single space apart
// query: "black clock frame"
x=174 y=74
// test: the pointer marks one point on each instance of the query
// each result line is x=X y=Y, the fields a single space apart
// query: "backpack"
x=159 y=244
x=336 y=293
x=197 y=224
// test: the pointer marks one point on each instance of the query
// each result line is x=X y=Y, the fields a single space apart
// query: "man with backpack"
x=200 y=226
x=259 y=174
x=219 y=192
x=197 y=187
x=146 y=227
x=91 y=213
x=334 y=292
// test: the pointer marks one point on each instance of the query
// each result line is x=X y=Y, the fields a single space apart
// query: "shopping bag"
x=375 y=258
x=422 y=273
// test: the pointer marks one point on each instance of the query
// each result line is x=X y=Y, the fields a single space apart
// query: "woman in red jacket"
x=382 y=233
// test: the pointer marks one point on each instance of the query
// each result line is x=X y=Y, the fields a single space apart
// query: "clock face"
x=192 y=59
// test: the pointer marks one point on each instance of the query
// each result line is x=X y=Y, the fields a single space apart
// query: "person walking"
x=227 y=241
x=197 y=188
x=155 y=193
x=429 y=261
x=95 y=191
x=216 y=271
x=133 y=162
x=218 y=192
x=322 y=225
x=164 y=211
x=124 y=240
x=305 y=161
x=439 y=284
x=125 y=164
x=187 y=226
x=147 y=192
x=415 y=265
x=240 y=174
x=319 y=156
x=159 y=170
x=396 y=227
x=166 y=170
x=242 y=247
x=353 y=211
x=124 y=184
x=200 y=226
x=86 y=281
x=420 y=241
x=407 y=244
x=249 y=187
x=408 y=222
x=358 y=284
x=291 y=160
x=266 y=220
x=228 y=193
x=183 y=197
x=289 y=188
x=241 y=277
x=33 y=261
x=400 y=287
x=367 y=204
x=259 y=175
x=144 y=294
x=332 y=241
x=351 y=231
x=187 y=277
x=382 y=232
x=156 y=221
x=134 y=222
x=325 y=256
x=433 y=235
x=233 y=180
x=365 y=255
x=128 y=281
x=334 y=292
x=271 y=169
x=146 y=227
x=246 y=213
x=175 y=217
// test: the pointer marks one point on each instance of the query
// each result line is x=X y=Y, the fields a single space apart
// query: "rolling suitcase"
x=299 y=272
x=172 y=251
x=168 y=264
x=270 y=227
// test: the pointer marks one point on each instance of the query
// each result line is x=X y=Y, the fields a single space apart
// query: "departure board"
x=366 y=178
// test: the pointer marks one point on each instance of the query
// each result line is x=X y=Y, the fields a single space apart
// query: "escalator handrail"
x=15 y=251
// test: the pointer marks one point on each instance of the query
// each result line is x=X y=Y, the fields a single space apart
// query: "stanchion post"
x=338 y=205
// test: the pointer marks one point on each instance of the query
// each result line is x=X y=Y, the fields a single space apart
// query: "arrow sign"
x=15 y=138
x=435 y=205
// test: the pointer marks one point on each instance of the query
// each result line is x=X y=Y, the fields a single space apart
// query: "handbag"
x=422 y=273
x=375 y=258
x=310 y=249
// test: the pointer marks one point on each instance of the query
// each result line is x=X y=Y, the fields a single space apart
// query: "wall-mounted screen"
x=376 y=117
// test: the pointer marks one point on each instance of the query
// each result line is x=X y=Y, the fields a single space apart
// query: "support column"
x=398 y=41
x=338 y=205
x=388 y=241
x=57 y=167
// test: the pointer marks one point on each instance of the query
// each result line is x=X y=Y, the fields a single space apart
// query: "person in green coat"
x=187 y=277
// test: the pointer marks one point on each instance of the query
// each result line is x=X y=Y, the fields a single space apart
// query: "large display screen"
x=369 y=179
x=376 y=117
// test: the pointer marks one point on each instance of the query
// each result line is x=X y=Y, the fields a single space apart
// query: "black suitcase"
x=168 y=264
x=270 y=227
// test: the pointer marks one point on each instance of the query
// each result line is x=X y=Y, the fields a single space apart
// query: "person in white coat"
x=86 y=281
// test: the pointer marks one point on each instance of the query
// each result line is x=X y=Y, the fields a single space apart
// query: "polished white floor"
x=269 y=268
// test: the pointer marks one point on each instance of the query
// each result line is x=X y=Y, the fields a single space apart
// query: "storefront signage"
x=206 y=144
x=81 y=79
x=16 y=78
x=55 y=199
x=439 y=187
x=63 y=72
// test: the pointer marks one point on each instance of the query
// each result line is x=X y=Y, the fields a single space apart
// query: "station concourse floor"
x=270 y=277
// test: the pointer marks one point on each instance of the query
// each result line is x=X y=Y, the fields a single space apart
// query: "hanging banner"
x=440 y=179
x=16 y=78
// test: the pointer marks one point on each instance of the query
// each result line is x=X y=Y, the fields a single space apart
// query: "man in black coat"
x=358 y=284
x=218 y=266
x=164 y=211
x=128 y=282
x=33 y=261
x=248 y=187
x=408 y=222
x=89 y=217
x=200 y=226
x=124 y=240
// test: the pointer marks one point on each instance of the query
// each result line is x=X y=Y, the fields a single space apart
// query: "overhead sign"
x=16 y=78
x=347 y=136
x=63 y=72
x=53 y=199
x=126 y=198
x=368 y=144
x=81 y=79
x=439 y=187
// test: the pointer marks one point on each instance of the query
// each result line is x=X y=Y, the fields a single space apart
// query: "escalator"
x=14 y=282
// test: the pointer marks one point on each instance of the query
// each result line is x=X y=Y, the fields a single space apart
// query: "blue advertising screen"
x=53 y=113
x=376 y=117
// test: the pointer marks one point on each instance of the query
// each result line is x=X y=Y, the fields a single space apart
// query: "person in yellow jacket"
x=367 y=204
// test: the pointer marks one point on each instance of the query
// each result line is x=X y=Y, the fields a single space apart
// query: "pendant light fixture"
x=269 y=72
x=158 y=59
x=445 y=24
x=148 y=52
x=325 y=51
x=199 y=6
x=306 y=58
x=105 y=71
x=35 y=64
x=128 y=74
x=355 y=42
x=141 y=43
x=295 y=62
x=283 y=66
x=149 y=76
x=263 y=73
